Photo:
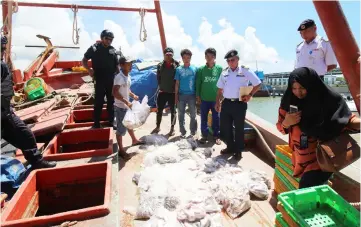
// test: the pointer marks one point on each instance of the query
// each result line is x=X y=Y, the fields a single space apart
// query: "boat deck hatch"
x=86 y=115
x=53 y=196
x=77 y=144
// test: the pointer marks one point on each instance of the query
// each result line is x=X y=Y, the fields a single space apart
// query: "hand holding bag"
x=334 y=155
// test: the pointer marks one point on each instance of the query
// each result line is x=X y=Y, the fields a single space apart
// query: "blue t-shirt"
x=187 y=79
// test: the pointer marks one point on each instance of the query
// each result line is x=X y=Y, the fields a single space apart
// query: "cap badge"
x=303 y=26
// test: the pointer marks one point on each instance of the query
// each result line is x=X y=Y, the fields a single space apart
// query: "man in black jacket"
x=14 y=130
x=104 y=67
x=166 y=84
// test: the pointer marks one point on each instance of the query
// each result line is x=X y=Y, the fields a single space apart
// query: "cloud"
x=57 y=24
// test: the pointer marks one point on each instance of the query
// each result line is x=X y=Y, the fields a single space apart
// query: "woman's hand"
x=291 y=119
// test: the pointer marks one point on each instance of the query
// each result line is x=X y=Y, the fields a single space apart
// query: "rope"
x=142 y=26
x=76 y=30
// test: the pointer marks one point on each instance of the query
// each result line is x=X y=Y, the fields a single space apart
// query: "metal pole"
x=69 y=6
x=160 y=24
x=343 y=43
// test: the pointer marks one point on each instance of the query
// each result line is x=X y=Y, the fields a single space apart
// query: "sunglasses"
x=231 y=60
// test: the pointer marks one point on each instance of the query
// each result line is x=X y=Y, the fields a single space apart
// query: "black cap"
x=168 y=50
x=306 y=24
x=231 y=53
x=123 y=59
x=107 y=33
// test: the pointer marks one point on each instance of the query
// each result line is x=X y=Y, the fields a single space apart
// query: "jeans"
x=205 y=107
x=189 y=100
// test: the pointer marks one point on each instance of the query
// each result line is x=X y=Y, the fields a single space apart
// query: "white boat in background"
x=350 y=103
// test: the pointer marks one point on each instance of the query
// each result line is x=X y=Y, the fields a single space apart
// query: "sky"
x=262 y=31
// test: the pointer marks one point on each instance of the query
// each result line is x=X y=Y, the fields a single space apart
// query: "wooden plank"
x=33 y=206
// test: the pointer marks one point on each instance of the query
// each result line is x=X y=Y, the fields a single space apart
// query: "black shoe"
x=96 y=127
x=43 y=164
x=203 y=140
x=238 y=156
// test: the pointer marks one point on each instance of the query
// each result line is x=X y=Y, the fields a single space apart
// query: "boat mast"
x=343 y=43
x=156 y=10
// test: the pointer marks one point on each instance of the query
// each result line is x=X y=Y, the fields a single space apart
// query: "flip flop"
x=124 y=155
x=138 y=143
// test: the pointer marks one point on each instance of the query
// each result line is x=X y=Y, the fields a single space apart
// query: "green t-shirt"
x=206 y=84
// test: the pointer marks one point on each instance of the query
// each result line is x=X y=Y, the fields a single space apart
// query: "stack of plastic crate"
x=317 y=206
x=283 y=179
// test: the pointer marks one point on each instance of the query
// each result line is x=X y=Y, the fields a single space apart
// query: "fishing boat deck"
x=262 y=213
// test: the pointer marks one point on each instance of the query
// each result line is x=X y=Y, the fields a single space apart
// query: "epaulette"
x=323 y=39
x=244 y=67
x=95 y=46
x=299 y=44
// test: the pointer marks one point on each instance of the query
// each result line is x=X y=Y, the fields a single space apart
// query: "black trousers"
x=314 y=178
x=103 y=87
x=18 y=134
x=233 y=113
x=322 y=78
x=162 y=99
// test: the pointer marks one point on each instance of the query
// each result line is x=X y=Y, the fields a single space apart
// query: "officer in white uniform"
x=314 y=52
x=233 y=110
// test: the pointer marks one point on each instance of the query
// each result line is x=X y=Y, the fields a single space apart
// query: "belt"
x=233 y=100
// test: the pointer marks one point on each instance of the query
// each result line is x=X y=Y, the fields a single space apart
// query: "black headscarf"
x=324 y=112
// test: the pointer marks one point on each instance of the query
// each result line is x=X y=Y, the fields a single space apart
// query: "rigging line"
x=142 y=12
x=76 y=30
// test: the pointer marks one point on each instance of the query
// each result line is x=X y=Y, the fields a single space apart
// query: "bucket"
x=35 y=88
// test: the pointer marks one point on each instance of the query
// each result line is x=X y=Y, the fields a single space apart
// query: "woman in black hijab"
x=321 y=114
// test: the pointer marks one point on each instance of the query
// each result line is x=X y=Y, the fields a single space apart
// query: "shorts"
x=119 y=115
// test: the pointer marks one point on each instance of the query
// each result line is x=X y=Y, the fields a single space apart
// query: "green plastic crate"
x=283 y=157
x=284 y=180
x=319 y=206
x=280 y=220
x=290 y=172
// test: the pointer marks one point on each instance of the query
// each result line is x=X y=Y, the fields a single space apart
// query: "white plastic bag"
x=137 y=115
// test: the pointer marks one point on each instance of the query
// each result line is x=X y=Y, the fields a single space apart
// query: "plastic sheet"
x=180 y=186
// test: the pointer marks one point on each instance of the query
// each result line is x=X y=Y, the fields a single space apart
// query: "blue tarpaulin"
x=144 y=82
x=260 y=74
x=13 y=172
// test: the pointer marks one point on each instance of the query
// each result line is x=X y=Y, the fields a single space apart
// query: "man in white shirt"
x=121 y=93
x=314 y=52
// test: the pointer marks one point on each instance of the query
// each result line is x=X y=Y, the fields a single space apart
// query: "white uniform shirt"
x=231 y=81
x=316 y=55
x=124 y=82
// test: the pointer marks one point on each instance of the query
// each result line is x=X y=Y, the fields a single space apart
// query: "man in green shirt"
x=206 y=91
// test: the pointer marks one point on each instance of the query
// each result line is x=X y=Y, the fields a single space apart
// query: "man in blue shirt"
x=185 y=92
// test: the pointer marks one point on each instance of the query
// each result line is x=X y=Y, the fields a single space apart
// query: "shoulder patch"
x=324 y=39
